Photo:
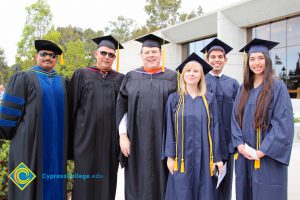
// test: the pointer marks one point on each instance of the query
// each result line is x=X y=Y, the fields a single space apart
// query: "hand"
x=170 y=164
x=125 y=144
x=220 y=166
x=260 y=154
x=242 y=151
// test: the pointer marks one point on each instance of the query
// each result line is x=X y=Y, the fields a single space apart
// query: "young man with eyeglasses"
x=33 y=115
x=93 y=129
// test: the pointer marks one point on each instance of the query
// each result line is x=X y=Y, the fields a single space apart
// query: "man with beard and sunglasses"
x=93 y=131
x=33 y=115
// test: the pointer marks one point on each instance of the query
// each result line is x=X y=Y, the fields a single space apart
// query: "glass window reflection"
x=293 y=31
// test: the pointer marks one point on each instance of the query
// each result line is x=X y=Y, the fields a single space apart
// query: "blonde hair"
x=201 y=84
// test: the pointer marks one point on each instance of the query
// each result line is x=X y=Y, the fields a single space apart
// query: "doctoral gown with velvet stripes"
x=195 y=183
x=93 y=132
x=225 y=88
x=270 y=180
x=143 y=96
x=33 y=115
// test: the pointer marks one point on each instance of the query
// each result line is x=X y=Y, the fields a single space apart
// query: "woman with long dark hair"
x=262 y=128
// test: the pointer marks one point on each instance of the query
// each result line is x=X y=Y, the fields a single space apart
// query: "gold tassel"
x=211 y=167
x=62 y=62
x=256 y=164
x=205 y=54
x=182 y=166
x=244 y=59
x=236 y=156
x=163 y=57
x=178 y=82
x=176 y=164
x=118 y=58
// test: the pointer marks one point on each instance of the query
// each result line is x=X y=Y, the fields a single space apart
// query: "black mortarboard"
x=194 y=57
x=259 y=45
x=151 y=40
x=47 y=45
x=217 y=44
x=108 y=41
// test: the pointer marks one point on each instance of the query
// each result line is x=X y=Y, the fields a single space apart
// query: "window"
x=286 y=55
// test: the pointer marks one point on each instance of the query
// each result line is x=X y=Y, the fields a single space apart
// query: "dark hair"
x=263 y=100
x=215 y=49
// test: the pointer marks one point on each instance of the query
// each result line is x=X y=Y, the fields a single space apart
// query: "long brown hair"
x=263 y=100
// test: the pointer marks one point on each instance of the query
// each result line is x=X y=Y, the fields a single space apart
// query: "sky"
x=94 y=14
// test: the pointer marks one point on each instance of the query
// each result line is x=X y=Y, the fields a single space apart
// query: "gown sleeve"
x=215 y=131
x=75 y=92
x=168 y=143
x=12 y=105
x=237 y=135
x=121 y=109
x=278 y=141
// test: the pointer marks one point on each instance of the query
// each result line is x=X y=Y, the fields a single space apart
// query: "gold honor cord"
x=182 y=136
x=176 y=133
x=257 y=162
x=211 y=155
x=118 y=58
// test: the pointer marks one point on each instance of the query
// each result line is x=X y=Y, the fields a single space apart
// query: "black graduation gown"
x=195 y=183
x=225 y=88
x=38 y=137
x=143 y=96
x=93 y=132
x=270 y=180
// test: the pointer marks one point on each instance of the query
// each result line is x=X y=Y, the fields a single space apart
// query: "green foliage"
x=70 y=170
x=121 y=28
x=162 y=13
x=5 y=71
x=38 y=23
x=4 y=149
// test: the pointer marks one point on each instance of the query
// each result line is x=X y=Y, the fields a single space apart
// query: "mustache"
x=47 y=61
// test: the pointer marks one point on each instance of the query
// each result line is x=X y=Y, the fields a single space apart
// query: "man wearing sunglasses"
x=33 y=115
x=94 y=142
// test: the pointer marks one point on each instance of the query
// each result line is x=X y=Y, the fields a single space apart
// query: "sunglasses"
x=104 y=53
x=44 y=54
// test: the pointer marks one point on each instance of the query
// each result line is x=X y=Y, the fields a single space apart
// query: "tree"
x=74 y=56
x=5 y=71
x=162 y=13
x=38 y=23
x=121 y=28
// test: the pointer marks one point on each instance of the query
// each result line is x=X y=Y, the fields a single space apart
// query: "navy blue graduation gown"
x=143 y=96
x=195 y=183
x=33 y=115
x=225 y=88
x=93 y=131
x=270 y=180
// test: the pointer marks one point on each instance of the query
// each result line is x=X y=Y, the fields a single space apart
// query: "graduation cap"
x=151 y=40
x=216 y=44
x=194 y=57
x=110 y=42
x=47 y=45
x=259 y=45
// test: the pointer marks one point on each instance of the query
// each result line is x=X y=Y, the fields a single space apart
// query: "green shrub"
x=4 y=149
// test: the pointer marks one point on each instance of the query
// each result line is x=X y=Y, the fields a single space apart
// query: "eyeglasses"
x=44 y=54
x=110 y=55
